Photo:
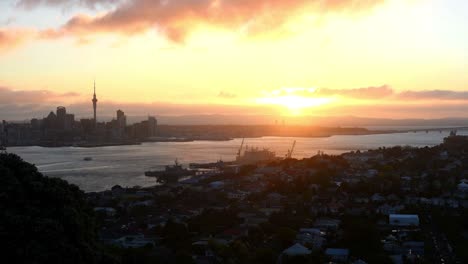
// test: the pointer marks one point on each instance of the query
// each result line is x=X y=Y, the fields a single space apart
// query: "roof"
x=337 y=251
x=309 y=230
x=404 y=216
x=296 y=250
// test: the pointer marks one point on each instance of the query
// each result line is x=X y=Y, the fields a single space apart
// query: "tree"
x=44 y=220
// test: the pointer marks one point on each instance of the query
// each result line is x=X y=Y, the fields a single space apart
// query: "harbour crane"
x=240 y=149
x=290 y=151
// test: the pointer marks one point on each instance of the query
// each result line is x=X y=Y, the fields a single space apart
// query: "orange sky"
x=381 y=58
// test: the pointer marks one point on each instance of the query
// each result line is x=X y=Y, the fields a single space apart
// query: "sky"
x=368 y=58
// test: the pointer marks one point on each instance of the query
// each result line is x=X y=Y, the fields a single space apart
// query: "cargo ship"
x=171 y=173
x=254 y=155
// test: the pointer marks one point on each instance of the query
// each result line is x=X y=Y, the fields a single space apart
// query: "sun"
x=294 y=104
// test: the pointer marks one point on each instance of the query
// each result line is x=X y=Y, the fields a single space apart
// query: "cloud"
x=177 y=19
x=434 y=95
x=8 y=21
x=374 y=93
x=11 y=37
x=24 y=97
x=29 y=4
x=226 y=95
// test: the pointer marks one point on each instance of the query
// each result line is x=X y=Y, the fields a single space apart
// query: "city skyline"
x=312 y=58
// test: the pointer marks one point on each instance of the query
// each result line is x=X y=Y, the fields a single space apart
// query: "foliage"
x=44 y=220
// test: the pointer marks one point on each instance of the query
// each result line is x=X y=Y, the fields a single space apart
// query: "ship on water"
x=255 y=155
x=171 y=173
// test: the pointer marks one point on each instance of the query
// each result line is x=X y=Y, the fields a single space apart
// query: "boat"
x=254 y=155
x=87 y=159
x=211 y=165
x=171 y=173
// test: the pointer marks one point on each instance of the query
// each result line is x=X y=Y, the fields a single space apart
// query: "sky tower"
x=94 y=103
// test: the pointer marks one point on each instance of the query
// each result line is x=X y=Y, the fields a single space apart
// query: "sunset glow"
x=237 y=53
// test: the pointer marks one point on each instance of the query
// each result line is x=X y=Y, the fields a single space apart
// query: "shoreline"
x=216 y=138
x=177 y=140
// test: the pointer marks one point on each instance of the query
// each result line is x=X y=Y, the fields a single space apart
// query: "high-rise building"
x=121 y=119
x=94 y=103
x=152 y=123
x=61 y=113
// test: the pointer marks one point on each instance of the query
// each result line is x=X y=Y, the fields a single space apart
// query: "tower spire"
x=94 y=103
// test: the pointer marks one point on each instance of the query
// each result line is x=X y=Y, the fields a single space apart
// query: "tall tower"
x=94 y=103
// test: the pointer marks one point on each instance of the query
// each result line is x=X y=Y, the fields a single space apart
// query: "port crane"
x=240 y=149
x=290 y=151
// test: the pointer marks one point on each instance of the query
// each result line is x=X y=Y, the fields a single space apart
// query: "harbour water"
x=125 y=165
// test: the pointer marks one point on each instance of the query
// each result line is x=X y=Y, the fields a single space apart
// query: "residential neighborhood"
x=388 y=205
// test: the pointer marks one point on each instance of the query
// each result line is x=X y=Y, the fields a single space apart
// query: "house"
x=117 y=191
x=387 y=209
x=217 y=184
x=254 y=220
x=108 y=211
x=359 y=261
x=270 y=210
x=142 y=193
x=403 y=220
x=296 y=250
x=202 y=248
x=274 y=199
x=327 y=223
x=463 y=186
x=371 y=173
x=311 y=236
x=133 y=241
x=414 y=248
x=377 y=198
x=337 y=254
x=237 y=195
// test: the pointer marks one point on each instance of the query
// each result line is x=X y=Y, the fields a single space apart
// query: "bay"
x=125 y=165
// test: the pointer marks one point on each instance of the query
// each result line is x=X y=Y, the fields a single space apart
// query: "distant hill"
x=329 y=121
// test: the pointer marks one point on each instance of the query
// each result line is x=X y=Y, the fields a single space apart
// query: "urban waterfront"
x=125 y=165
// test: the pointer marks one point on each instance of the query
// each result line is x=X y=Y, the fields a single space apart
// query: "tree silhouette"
x=44 y=220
